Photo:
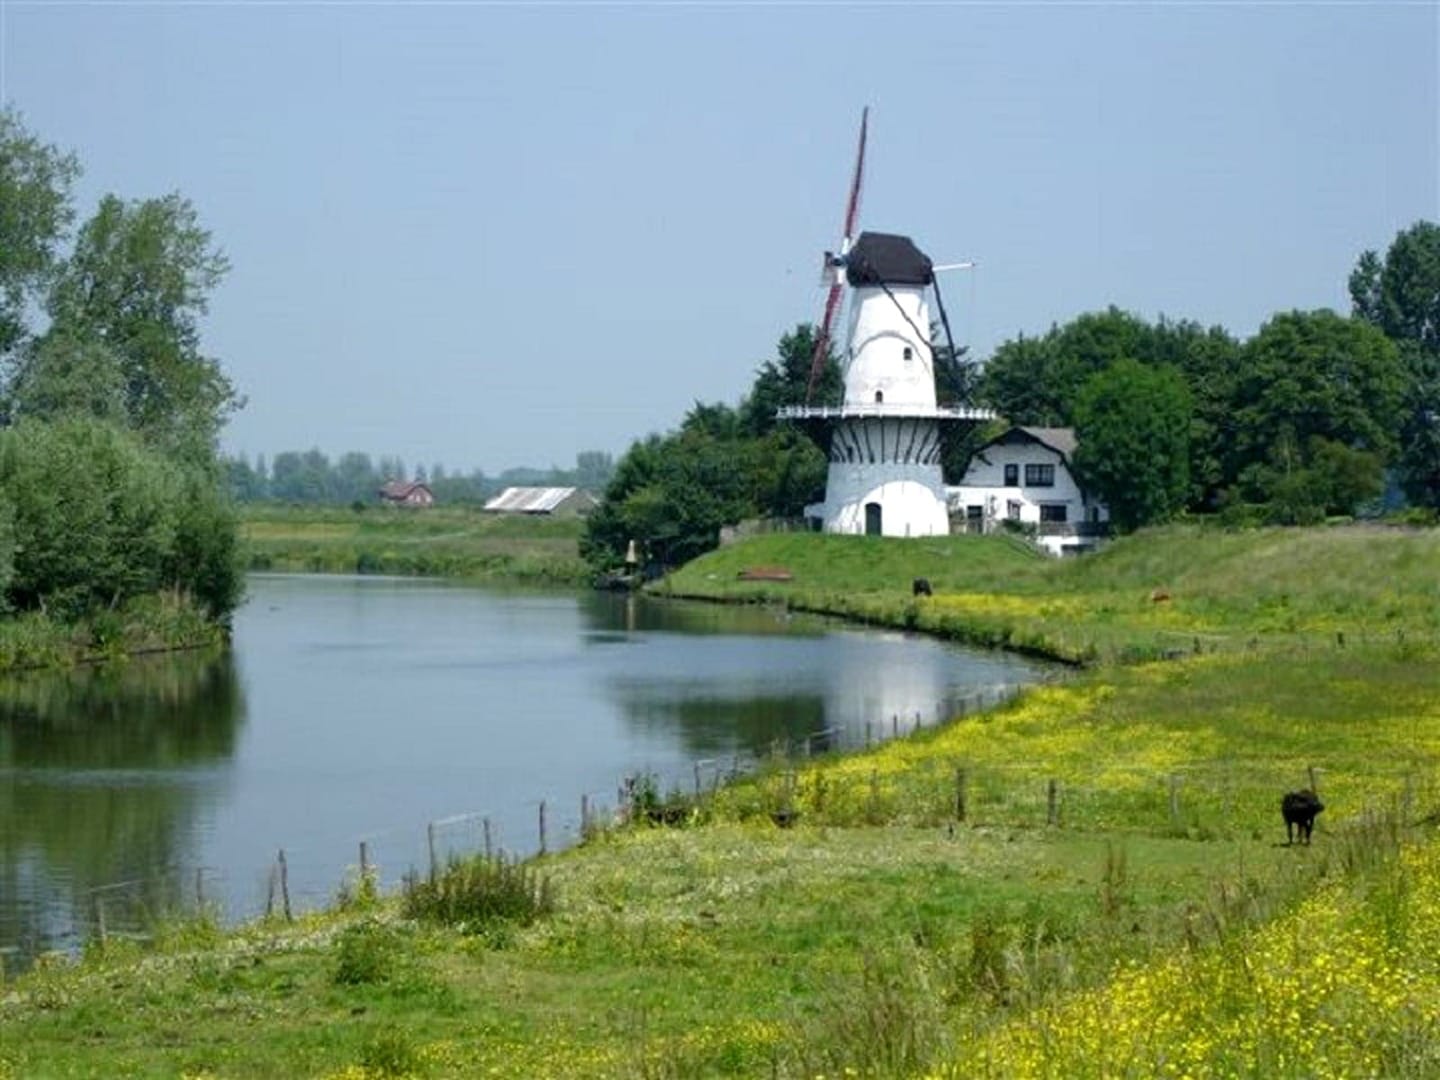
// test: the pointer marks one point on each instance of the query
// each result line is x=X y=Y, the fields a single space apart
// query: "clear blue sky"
x=499 y=235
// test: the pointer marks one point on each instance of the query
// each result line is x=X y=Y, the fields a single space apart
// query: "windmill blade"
x=822 y=341
x=832 y=301
x=852 y=205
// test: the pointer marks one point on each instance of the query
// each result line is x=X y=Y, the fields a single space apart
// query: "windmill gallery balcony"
x=853 y=410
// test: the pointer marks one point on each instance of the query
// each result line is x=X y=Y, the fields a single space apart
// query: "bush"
x=366 y=954
x=479 y=894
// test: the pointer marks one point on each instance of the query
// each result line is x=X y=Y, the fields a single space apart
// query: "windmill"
x=884 y=440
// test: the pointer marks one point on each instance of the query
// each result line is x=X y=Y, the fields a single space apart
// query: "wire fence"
x=1204 y=800
x=297 y=879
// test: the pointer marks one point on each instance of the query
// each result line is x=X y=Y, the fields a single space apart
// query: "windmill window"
x=909 y=353
x=879 y=397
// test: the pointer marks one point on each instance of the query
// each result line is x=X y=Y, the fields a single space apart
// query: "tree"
x=785 y=380
x=593 y=469
x=1019 y=383
x=1133 y=429
x=137 y=282
x=64 y=376
x=1309 y=379
x=35 y=214
x=1401 y=296
x=94 y=514
x=1210 y=361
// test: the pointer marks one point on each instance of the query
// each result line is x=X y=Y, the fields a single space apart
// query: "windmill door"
x=872 y=519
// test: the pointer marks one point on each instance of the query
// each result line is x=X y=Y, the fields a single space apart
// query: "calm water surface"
x=364 y=708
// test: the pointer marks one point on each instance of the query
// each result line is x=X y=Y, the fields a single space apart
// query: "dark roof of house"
x=401 y=489
x=1059 y=439
x=887 y=259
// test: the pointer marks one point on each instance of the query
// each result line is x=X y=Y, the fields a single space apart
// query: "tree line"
x=1312 y=416
x=312 y=478
x=110 y=480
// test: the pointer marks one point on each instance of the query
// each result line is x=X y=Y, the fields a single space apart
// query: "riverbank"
x=456 y=542
x=1161 y=594
x=163 y=622
x=1089 y=881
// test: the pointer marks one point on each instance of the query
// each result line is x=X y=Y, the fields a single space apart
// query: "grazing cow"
x=921 y=587
x=1300 y=808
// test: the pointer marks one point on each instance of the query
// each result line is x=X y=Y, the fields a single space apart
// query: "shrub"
x=366 y=954
x=478 y=894
x=390 y=1052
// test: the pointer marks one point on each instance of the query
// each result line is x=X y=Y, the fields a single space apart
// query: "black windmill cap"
x=887 y=259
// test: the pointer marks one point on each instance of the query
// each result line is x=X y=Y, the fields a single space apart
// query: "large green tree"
x=35 y=215
x=137 y=283
x=1401 y=295
x=1133 y=425
x=1311 y=382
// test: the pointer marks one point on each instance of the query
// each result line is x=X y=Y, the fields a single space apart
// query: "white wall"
x=912 y=498
x=880 y=332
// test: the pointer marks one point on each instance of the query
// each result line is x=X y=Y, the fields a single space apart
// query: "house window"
x=1012 y=475
x=1012 y=510
x=1039 y=475
x=1056 y=512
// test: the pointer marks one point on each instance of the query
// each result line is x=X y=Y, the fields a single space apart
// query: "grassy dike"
x=454 y=542
x=1152 y=924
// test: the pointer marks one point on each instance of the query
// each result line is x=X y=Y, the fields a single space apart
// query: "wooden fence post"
x=100 y=917
x=1052 y=803
x=430 y=843
x=1174 y=800
x=285 y=886
x=961 y=780
x=584 y=816
x=364 y=863
x=489 y=848
x=542 y=827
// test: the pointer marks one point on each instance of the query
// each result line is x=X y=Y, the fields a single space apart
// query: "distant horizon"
x=490 y=234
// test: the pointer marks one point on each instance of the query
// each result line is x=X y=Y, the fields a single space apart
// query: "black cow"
x=1300 y=808
x=921 y=587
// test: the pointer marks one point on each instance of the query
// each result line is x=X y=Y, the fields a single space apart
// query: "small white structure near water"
x=1024 y=476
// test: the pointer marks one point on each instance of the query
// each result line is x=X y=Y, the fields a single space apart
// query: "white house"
x=1025 y=476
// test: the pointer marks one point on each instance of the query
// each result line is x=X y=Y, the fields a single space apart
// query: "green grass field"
x=439 y=542
x=841 y=916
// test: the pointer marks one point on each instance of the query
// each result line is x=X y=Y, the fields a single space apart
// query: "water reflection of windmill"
x=884 y=440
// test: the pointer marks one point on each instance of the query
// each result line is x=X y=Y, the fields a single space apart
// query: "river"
x=358 y=709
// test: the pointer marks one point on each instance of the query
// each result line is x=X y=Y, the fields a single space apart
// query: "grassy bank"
x=1156 y=595
x=157 y=623
x=1090 y=881
x=441 y=542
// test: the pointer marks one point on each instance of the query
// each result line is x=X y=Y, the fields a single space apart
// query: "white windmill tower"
x=884 y=441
